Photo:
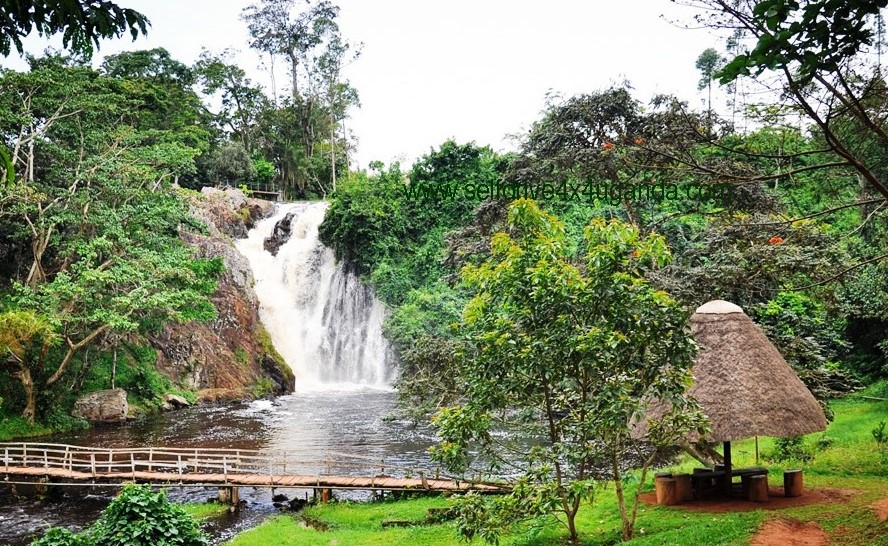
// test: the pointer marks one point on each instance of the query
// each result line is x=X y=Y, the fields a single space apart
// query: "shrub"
x=137 y=517
x=823 y=442
x=142 y=517
x=880 y=435
x=59 y=536
x=793 y=448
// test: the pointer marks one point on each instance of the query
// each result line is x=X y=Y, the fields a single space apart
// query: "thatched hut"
x=743 y=383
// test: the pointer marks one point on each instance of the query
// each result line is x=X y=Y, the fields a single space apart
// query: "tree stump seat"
x=792 y=483
x=664 y=489
x=758 y=488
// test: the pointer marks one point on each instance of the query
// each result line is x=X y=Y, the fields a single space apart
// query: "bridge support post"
x=323 y=494
x=229 y=495
x=40 y=487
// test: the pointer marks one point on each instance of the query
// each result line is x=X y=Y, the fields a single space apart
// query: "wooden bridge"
x=269 y=192
x=60 y=464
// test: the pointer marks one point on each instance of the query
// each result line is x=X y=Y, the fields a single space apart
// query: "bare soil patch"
x=881 y=509
x=790 y=532
x=776 y=501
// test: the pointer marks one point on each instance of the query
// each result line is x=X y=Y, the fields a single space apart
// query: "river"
x=308 y=424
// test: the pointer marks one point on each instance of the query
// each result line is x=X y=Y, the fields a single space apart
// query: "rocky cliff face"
x=232 y=356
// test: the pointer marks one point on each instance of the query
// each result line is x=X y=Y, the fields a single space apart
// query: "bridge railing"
x=96 y=461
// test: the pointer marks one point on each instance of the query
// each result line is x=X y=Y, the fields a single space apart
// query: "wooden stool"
x=684 y=490
x=666 y=491
x=758 y=488
x=792 y=483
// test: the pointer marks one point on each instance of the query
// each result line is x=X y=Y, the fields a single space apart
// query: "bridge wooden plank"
x=196 y=477
x=336 y=482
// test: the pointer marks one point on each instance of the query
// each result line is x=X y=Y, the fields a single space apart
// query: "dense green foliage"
x=136 y=517
x=91 y=248
x=81 y=22
x=398 y=242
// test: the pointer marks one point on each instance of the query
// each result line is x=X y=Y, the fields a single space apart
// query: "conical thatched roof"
x=742 y=382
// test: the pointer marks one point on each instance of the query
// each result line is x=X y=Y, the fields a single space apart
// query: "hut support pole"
x=728 y=478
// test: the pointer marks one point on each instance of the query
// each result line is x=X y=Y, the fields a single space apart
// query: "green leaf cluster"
x=81 y=22
x=136 y=517
x=812 y=36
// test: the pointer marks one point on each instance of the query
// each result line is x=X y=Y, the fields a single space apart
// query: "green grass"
x=205 y=510
x=15 y=426
x=851 y=461
x=353 y=523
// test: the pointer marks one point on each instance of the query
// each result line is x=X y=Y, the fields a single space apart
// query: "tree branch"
x=72 y=349
x=840 y=273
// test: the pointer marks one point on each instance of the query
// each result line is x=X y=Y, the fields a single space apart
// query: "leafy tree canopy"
x=573 y=353
x=81 y=22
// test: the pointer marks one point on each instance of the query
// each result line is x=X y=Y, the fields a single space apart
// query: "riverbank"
x=846 y=460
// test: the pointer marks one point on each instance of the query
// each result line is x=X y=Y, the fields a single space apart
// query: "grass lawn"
x=848 y=460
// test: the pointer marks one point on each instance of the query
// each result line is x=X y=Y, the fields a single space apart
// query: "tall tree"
x=306 y=126
x=572 y=354
x=276 y=28
x=242 y=101
x=708 y=63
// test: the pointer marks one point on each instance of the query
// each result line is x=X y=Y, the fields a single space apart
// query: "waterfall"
x=323 y=320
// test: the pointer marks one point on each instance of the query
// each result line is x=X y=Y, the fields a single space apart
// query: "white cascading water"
x=323 y=320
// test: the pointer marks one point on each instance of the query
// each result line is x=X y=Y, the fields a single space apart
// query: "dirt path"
x=790 y=532
x=881 y=509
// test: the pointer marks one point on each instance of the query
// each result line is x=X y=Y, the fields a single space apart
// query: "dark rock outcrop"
x=281 y=234
x=108 y=406
x=232 y=356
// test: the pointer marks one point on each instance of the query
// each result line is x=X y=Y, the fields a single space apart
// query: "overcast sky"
x=470 y=70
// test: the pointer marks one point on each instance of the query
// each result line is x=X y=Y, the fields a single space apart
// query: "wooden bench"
x=704 y=480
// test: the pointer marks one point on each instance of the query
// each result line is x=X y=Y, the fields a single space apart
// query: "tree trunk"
x=628 y=525
x=572 y=528
x=294 y=65
x=113 y=369
x=333 y=150
x=24 y=375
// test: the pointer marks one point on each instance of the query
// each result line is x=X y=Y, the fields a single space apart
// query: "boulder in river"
x=108 y=406
x=281 y=234
x=173 y=401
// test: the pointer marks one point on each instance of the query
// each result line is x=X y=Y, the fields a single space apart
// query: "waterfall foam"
x=323 y=320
